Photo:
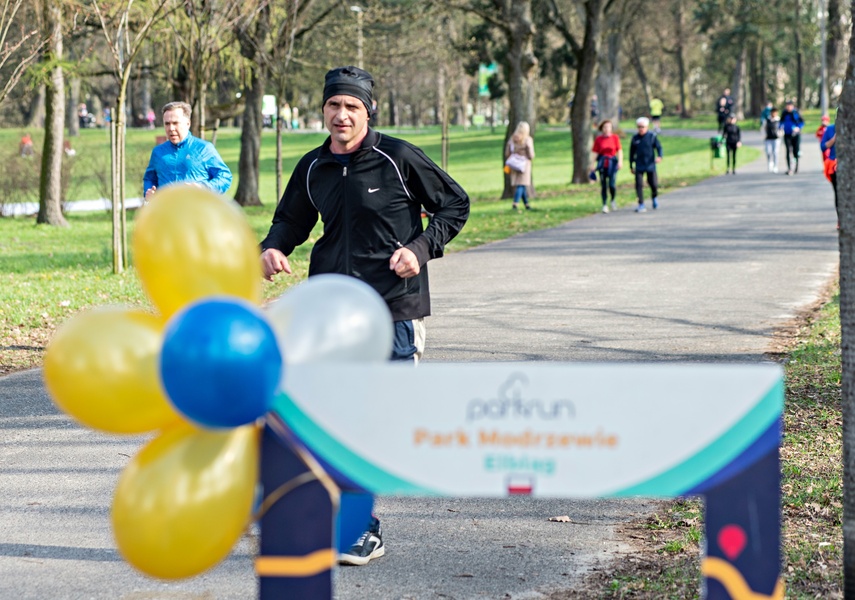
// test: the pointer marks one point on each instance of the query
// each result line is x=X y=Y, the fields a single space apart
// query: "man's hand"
x=150 y=192
x=404 y=263
x=632 y=170
x=658 y=159
x=273 y=262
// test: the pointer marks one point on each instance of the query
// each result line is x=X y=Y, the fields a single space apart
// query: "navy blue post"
x=296 y=555
x=743 y=525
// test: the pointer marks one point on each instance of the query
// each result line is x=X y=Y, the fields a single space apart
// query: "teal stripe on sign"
x=717 y=455
x=364 y=473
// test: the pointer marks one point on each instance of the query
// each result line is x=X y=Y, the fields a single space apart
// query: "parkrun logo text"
x=511 y=403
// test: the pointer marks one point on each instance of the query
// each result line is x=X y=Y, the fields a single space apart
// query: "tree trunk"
x=36 y=115
x=823 y=61
x=755 y=81
x=580 y=113
x=250 y=140
x=50 y=187
x=252 y=120
x=798 y=42
x=71 y=118
x=739 y=84
x=522 y=71
x=393 y=109
x=145 y=87
x=846 y=198
x=635 y=53
x=609 y=74
x=836 y=36
x=680 y=55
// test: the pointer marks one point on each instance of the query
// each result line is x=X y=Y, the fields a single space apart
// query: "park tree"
x=268 y=38
x=125 y=28
x=586 y=57
x=618 y=18
x=20 y=43
x=252 y=32
x=677 y=47
x=513 y=18
x=846 y=199
x=202 y=35
x=292 y=27
x=50 y=183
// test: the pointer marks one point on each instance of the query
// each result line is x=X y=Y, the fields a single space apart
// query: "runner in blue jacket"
x=184 y=157
x=792 y=125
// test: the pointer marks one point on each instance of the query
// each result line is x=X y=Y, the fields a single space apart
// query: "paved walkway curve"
x=707 y=277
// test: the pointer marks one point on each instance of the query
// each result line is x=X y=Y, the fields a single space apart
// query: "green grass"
x=812 y=487
x=48 y=274
x=475 y=158
x=812 y=473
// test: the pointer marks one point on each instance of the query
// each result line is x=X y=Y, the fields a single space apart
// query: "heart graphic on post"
x=731 y=540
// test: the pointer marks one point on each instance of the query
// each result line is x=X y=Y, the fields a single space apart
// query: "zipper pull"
x=344 y=173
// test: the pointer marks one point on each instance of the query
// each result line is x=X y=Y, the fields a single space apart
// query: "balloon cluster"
x=201 y=373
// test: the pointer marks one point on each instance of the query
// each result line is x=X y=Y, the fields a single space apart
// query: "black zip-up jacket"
x=732 y=134
x=643 y=150
x=370 y=208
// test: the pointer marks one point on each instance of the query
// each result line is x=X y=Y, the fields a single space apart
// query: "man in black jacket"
x=369 y=190
x=645 y=152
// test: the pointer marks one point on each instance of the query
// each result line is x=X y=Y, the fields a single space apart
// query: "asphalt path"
x=706 y=277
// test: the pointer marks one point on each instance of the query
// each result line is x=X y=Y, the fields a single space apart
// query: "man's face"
x=176 y=124
x=788 y=108
x=642 y=129
x=346 y=118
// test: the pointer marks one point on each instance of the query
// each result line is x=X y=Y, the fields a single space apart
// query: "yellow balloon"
x=185 y=499
x=101 y=367
x=190 y=243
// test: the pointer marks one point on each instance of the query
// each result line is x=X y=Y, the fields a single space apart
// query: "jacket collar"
x=183 y=142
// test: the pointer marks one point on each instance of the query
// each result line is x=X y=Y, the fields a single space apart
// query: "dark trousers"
x=791 y=143
x=731 y=156
x=652 y=181
x=834 y=185
x=608 y=177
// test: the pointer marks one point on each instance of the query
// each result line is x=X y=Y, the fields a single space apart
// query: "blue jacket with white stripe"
x=192 y=160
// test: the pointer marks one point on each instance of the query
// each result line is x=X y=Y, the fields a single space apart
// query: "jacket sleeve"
x=529 y=146
x=219 y=175
x=295 y=216
x=632 y=150
x=658 y=145
x=826 y=137
x=150 y=177
x=440 y=195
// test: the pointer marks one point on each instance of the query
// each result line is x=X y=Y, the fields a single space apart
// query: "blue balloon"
x=220 y=363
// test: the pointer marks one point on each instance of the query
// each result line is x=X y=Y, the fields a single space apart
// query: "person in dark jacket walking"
x=645 y=152
x=792 y=124
x=732 y=141
x=368 y=189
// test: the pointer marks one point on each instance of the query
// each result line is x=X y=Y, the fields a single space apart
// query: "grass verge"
x=665 y=561
x=48 y=274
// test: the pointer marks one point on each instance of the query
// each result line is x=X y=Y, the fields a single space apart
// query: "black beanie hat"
x=350 y=81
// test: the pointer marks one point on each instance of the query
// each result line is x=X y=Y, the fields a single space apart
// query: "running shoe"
x=367 y=547
x=614 y=205
x=605 y=209
x=640 y=208
x=655 y=204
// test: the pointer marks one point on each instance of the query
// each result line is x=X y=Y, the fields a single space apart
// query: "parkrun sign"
x=553 y=430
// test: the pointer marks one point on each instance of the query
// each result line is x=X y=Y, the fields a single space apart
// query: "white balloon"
x=332 y=318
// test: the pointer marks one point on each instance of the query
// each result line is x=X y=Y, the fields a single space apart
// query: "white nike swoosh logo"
x=372 y=190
